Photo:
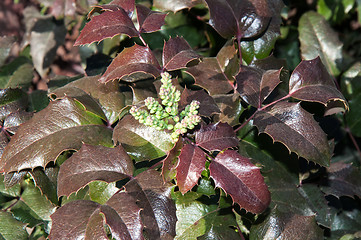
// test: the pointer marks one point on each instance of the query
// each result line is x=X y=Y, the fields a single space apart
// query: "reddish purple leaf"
x=291 y=125
x=127 y=5
x=177 y=54
x=106 y=25
x=242 y=180
x=207 y=106
x=192 y=162
x=217 y=136
x=241 y=18
x=209 y=75
x=153 y=197
x=255 y=85
x=122 y=216
x=310 y=81
x=149 y=21
x=77 y=219
x=93 y=163
x=137 y=61
x=170 y=162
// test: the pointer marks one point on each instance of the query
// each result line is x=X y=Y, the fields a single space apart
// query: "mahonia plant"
x=165 y=115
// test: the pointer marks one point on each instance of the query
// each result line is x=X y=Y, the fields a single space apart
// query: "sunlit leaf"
x=10 y=228
x=153 y=196
x=217 y=136
x=132 y=64
x=149 y=21
x=230 y=107
x=241 y=18
x=192 y=162
x=177 y=54
x=291 y=125
x=18 y=73
x=107 y=25
x=12 y=100
x=242 y=180
x=170 y=162
x=280 y=225
x=175 y=5
x=41 y=139
x=310 y=81
x=256 y=85
x=92 y=163
x=319 y=39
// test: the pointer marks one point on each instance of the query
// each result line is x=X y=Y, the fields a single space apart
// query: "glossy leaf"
x=101 y=192
x=231 y=108
x=291 y=125
x=343 y=180
x=310 y=81
x=107 y=25
x=77 y=219
x=92 y=163
x=123 y=217
x=244 y=19
x=132 y=64
x=177 y=54
x=10 y=228
x=12 y=100
x=47 y=131
x=13 y=191
x=350 y=81
x=256 y=85
x=192 y=162
x=153 y=196
x=319 y=39
x=46 y=181
x=218 y=233
x=175 y=5
x=170 y=162
x=217 y=136
x=207 y=105
x=129 y=132
x=149 y=21
x=281 y=225
x=242 y=180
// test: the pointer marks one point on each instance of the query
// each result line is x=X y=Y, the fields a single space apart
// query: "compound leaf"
x=310 y=81
x=192 y=162
x=177 y=54
x=153 y=196
x=241 y=18
x=93 y=163
x=107 y=25
x=217 y=136
x=41 y=139
x=138 y=62
x=242 y=180
x=291 y=125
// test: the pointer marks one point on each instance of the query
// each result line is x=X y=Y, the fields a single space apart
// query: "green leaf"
x=279 y=225
x=140 y=140
x=10 y=228
x=18 y=73
x=46 y=181
x=6 y=42
x=353 y=117
x=319 y=39
x=101 y=192
x=14 y=191
x=351 y=81
x=291 y=125
x=41 y=139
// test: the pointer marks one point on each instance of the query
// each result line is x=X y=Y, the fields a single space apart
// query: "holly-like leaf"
x=192 y=162
x=77 y=219
x=175 y=5
x=256 y=85
x=107 y=25
x=10 y=228
x=46 y=181
x=217 y=136
x=310 y=81
x=153 y=196
x=280 y=225
x=12 y=100
x=207 y=105
x=92 y=163
x=291 y=125
x=123 y=217
x=241 y=18
x=231 y=108
x=317 y=38
x=41 y=139
x=149 y=21
x=242 y=180
x=177 y=54
x=132 y=64
x=209 y=75
x=170 y=162
x=343 y=180
x=132 y=134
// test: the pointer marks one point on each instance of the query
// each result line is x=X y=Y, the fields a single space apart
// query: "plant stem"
x=141 y=39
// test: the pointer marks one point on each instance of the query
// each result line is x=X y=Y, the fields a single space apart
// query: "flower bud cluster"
x=160 y=114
